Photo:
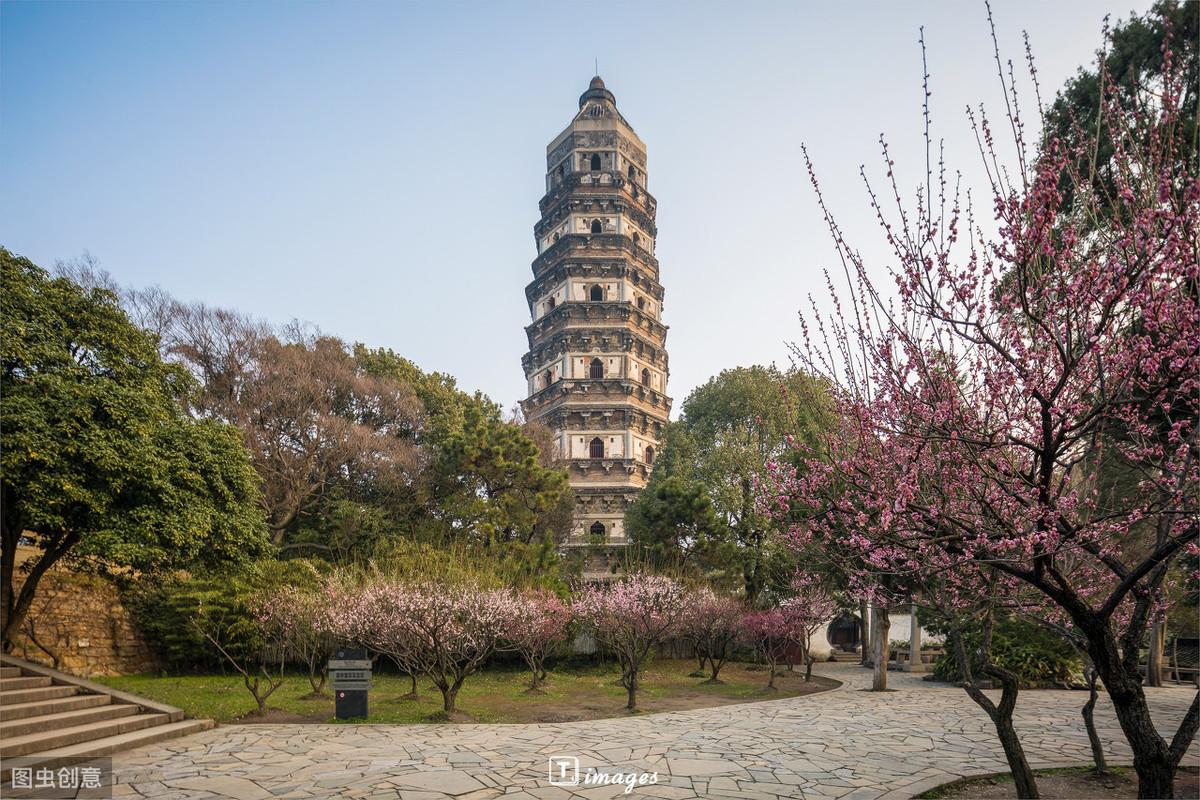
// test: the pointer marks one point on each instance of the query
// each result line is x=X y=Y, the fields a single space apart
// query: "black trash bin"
x=350 y=671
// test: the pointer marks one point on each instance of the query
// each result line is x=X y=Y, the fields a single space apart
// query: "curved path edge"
x=841 y=744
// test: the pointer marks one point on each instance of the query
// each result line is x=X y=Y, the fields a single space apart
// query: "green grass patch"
x=497 y=694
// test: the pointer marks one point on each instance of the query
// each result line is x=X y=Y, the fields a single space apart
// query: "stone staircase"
x=51 y=719
x=841 y=656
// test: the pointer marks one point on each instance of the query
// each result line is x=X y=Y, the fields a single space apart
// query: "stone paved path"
x=847 y=744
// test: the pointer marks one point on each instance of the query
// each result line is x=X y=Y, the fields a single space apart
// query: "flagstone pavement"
x=846 y=743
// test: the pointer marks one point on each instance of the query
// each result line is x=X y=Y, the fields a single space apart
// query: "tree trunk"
x=631 y=689
x=1089 y=722
x=15 y=605
x=450 y=697
x=8 y=562
x=1154 y=657
x=1023 y=778
x=864 y=631
x=808 y=662
x=1002 y=714
x=879 y=654
x=1154 y=760
x=317 y=684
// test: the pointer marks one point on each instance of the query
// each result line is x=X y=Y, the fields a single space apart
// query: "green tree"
x=492 y=490
x=486 y=483
x=101 y=464
x=673 y=524
x=1132 y=76
x=729 y=430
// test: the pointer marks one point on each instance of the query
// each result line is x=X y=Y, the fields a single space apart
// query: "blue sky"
x=375 y=168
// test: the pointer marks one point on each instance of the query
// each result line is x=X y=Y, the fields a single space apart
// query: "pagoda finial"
x=596 y=89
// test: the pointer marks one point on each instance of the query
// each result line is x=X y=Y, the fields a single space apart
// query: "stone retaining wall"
x=79 y=625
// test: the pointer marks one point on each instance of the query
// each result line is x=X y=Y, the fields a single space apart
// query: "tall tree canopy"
x=101 y=463
x=485 y=482
x=730 y=429
x=1129 y=73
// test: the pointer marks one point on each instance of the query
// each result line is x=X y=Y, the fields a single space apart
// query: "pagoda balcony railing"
x=639 y=276
x=593 y=311
x=598 y=242
x=600 y=181
x=549 y=352
x=615 y=466
x=580 y=387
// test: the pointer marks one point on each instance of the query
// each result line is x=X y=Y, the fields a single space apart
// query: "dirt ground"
x=1070 y=785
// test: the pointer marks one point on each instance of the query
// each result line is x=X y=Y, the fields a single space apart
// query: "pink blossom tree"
x=810 y=607
x=253 y=635
x=443 y=631
x=455 y=628
x=630 y=616
x=537 y=627
x=979 y=407
x=712 y=623
x=375 y=615
x=309 y=641
x=772 y=634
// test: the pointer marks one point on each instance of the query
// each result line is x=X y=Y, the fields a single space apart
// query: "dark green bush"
x=165 y=609
x=1030 y=650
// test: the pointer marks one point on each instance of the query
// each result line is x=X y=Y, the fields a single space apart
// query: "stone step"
x=64 y=719
x=97 y=748
x=10 y=672
x=33 y=695
x=28 y=682
x=44 y=707
x=42 y=741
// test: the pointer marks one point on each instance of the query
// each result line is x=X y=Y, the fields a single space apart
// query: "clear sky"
x=375 y=168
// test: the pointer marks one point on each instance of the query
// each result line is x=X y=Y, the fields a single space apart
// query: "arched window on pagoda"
x=648 y=455
x=596 y=293
x=596 y=448
x=597 y=226
x=595 y=162
x=597 y=529
x=596 y=370
x=645 y=377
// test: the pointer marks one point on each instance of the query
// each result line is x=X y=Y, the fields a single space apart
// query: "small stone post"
x=914 y=644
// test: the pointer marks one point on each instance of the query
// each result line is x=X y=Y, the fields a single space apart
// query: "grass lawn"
x=496 y=695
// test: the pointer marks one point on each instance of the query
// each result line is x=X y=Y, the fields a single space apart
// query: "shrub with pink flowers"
x=630 y=616
x=538 y=626
x=772 y=633
x=712 y=623
x=444 y=631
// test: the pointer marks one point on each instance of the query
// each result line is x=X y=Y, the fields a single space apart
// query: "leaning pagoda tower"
x=597 y=361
